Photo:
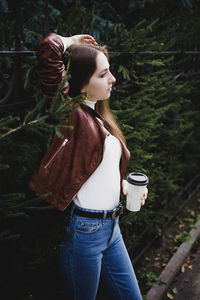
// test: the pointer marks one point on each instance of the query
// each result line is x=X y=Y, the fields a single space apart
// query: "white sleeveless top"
x=102 y=189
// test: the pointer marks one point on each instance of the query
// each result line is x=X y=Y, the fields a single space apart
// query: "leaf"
x=3 y=6
x=27 y=76
x=170 y=296
x=175 y=291
x=183 y=269
x=124 y=71
x=156 y=63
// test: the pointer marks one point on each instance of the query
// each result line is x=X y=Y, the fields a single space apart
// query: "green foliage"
x=150 y=277
x=157 y=114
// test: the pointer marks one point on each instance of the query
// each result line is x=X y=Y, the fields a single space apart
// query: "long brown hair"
x=82 y=67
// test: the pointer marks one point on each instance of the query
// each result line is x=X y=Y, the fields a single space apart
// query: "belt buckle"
x=117 y=212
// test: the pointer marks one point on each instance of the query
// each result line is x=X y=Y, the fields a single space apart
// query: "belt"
x=99 y=215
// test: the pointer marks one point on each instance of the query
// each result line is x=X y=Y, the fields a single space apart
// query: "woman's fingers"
x=89 y=37
x=125 y=192
x=144 y=197
x=84 y=38
x=124 y=187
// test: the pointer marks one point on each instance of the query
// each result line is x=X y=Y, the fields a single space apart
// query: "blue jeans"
x=94 y=248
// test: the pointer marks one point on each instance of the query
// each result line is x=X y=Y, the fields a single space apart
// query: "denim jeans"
x=94 y=249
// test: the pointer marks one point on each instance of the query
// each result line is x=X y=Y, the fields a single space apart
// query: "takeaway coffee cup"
x=136 y=186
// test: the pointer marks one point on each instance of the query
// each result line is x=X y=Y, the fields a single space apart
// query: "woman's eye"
x=103 y=75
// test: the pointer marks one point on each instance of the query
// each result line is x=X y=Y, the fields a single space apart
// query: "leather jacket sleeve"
x=51 y=66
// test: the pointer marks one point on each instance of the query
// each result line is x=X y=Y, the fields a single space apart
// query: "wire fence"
x=12 y=94
x=15 y=94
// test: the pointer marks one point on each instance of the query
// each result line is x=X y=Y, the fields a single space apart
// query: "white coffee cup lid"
x=137 y=179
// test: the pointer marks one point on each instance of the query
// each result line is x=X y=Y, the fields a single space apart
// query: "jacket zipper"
x=55 y=154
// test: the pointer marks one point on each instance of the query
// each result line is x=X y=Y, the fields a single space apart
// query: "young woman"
x=86 y=168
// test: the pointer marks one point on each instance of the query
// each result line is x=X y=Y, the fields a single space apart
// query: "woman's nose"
x=112 y=78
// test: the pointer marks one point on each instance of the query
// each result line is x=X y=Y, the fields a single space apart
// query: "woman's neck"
x=89 y=103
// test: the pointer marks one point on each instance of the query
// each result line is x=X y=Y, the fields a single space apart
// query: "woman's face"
x=100 y=83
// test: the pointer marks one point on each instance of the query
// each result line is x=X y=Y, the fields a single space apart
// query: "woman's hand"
x=78 y=39
x=125 y=192
x=124 y=187
x=83 y=39
x=144 y=197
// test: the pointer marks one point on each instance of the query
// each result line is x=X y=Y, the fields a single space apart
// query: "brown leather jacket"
x=69 y=161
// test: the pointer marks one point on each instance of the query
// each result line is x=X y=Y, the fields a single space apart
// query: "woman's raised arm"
x=77 y=39
x=51 y=66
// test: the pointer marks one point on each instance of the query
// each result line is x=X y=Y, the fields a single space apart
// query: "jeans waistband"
x=100 y=214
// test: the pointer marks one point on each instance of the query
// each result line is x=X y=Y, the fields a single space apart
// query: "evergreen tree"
x=154 y=101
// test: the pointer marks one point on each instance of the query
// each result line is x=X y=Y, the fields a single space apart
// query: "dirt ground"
x=153 y=262
x=186 y=285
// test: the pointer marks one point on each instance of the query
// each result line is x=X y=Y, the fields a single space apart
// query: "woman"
x=86 y=168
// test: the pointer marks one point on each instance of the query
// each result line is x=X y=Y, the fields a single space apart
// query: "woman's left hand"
x=124 y=187
x=125 y=192
x=144 y=197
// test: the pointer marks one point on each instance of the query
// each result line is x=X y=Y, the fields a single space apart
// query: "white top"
x=102 y=189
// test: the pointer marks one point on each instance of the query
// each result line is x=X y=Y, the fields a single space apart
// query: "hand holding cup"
x=135 y=188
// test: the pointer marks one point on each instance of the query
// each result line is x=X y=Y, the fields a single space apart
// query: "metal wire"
x=34 y=53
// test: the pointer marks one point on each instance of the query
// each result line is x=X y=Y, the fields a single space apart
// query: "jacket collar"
x=92 y=112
